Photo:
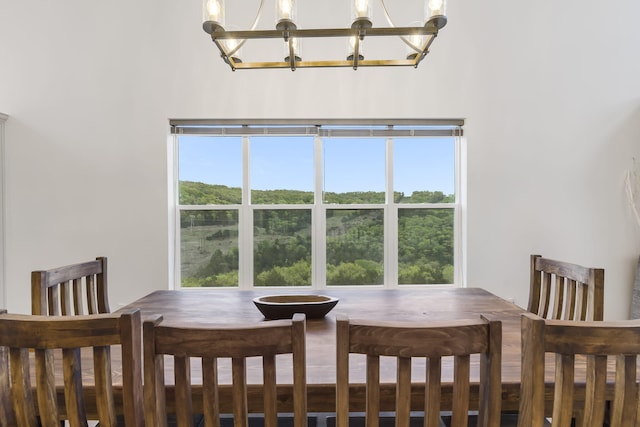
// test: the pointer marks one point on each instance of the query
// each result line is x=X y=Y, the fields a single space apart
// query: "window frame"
x=319 y=129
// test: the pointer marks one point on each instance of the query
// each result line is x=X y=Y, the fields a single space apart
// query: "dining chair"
x=582 y=351
x=53 y=345
x=431 y=342
x=68 y=290
x=239 y=343
x=564 y=291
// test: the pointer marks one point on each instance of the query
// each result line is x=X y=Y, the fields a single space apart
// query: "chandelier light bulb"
x=416 y=40
x=352 y=49
x=285 y=8
x=295 y=43
x=416 y=43
x=360 y=14
x=232 y=46
x=285 y=14
x=436 y=8
x=214 y=11
x=361 y=8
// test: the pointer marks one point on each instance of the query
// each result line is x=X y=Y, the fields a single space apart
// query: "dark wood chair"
x=71 y=290
x=572 y=342
x=210 y=343
x=55 y=344
x=431 y=341
x=564 y=291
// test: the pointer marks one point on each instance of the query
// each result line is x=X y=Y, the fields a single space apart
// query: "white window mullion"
x=390 y=222
x=245 y=228
x=174 y=195
x=319 y=223
x=460 y=224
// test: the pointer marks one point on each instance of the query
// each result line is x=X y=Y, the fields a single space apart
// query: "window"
x=335 y=203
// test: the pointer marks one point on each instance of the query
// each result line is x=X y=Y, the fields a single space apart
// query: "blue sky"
x=354 y=164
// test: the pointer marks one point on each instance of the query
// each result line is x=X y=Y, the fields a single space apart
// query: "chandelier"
x=417 y=38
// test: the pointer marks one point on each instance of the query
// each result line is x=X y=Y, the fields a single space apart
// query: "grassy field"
x=197 y=246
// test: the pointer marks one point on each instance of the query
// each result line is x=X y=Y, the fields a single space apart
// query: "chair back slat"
x=558 y=297
x=7 y=414
x=269 y=390
x=210 y=343
x=76 y=289
x=45 y=374
x=184 y=410
x=403 y=391
x=584 y=352
x=239 y=391
x=373 y=389
x=595 y=390
x=104 y=385
x=73 y=391
x=430 y=342
x=92 y=295
x=23 y=401
x=433 y=391
x=626 y=395
x=563 y=401
x=66 y=296
x=53 y=297
x=210 y=391
x=63 y=337
x=460 y=410
x=565 y=291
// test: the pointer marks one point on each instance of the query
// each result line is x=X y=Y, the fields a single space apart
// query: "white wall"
x=3 y=119
x=550 y=92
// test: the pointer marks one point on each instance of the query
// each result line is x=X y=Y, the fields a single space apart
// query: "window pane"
x=425 y=246
x=209 y=247
x=282 y=247
x=424 y=170
x=210 y=170
x=355 y=247
x=281 y=170
x=354 y=170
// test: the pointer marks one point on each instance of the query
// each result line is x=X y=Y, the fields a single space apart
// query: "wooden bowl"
x=285 y=306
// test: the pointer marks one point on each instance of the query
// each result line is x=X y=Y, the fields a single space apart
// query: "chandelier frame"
x=360 y=29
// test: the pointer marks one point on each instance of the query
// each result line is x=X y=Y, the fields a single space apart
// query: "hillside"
x=282 y=249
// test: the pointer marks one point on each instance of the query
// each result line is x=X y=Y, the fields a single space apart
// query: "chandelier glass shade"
x=417 y=37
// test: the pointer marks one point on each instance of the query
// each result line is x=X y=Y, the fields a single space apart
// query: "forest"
x=282 y=238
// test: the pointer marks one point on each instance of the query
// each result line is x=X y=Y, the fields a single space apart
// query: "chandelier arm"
x=423 y=53
x=292 y=55
x=253 y=27
x=411 y=45
x=235 y=49
x=356 y=53
x=258 y=16
x=391 y=24
x=386 y=13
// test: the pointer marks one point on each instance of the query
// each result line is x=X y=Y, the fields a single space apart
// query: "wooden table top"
x=215 y=306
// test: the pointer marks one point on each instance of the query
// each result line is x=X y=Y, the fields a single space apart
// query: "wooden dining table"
x=413 y=304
